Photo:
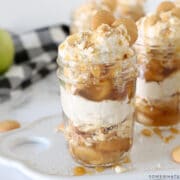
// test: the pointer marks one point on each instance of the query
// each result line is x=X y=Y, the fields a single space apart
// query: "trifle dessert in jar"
x=97 y=81
x=158 y=58
x=82 y=16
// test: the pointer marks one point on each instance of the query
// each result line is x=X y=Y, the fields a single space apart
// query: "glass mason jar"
x=97 y=101
x=158 y=85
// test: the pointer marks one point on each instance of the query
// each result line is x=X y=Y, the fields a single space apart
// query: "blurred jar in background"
x=81 y=18
x=177 y=2
x=130 y=8
x=158 y=57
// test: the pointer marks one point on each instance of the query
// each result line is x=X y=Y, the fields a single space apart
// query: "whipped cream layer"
x=159 y=29
x=82 y=111
x=159 y=90
x=104 y=45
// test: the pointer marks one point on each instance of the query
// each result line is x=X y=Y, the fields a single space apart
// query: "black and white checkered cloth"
x=35 y=58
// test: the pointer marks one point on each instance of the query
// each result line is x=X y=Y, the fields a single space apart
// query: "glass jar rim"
x=125 y=71
x=61 y=62
x=131 y=4
x=146 y=41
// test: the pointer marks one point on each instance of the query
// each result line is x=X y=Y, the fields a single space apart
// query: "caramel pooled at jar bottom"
x=111 y=149
x=99 y=112
x=158 y=85
x=158 y=113
x=105 y=153
x=102 y=146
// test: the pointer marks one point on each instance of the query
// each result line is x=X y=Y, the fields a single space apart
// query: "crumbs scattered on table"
x=158 y=132
x=79 y=171
x=146 y=132
x=174 y=130
x=168 y=139
x=120 y=169
x=176 y=154
x=126 y=160
x=9 y=125
x=60 y=127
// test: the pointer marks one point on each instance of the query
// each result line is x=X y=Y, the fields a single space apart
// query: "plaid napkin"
x=35 y=58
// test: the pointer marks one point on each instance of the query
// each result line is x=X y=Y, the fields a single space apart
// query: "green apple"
x=6 y=51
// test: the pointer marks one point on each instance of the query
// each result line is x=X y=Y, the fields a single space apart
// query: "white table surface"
x=42 y=98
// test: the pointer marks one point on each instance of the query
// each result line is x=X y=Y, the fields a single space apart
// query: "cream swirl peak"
x=110 y=40
x=161 y=28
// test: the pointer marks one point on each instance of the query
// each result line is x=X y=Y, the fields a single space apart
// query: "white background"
x=23 y=15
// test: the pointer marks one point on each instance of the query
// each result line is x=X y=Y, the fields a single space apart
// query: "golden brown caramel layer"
x=105 y=90
x=101 y=82
x=79 y=171
x=102 y=146
x=101 y=153
x=157 y=70
x=158 y=113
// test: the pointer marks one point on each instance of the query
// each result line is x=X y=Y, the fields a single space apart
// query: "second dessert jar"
x=158 y=84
